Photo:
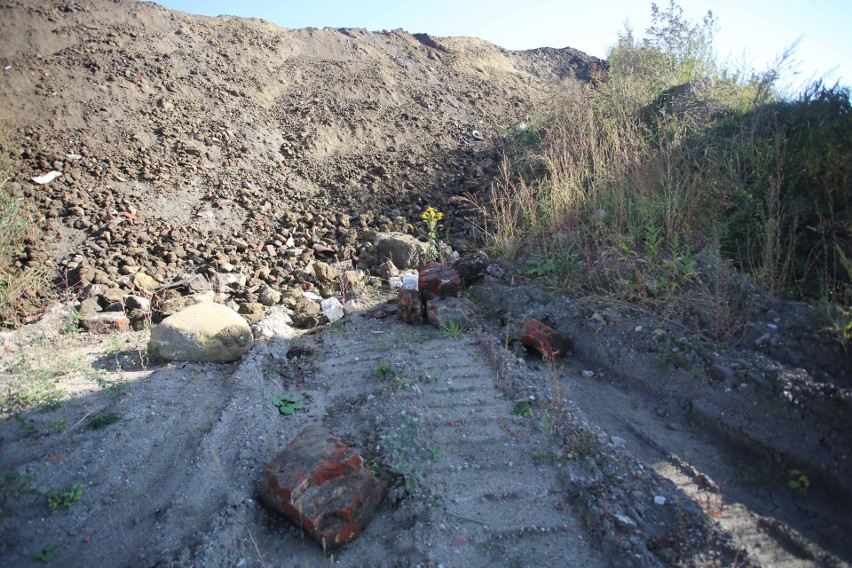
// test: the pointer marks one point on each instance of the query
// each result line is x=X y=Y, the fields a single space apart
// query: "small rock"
x=495 y=270
x=332 y=309
x=471 y=268
x=90 y=306
x=719 y=372
x=410 y=282
x=252 y=312
x=322 y=486
x=587 y=374
x=325 y=272
x=145 y=282
x=403 y=250
x=624 y=521
x=276 y=322
x=659 y=500
x=137 y=303
x=105 y=322
x=269 y=297
x=387 y=270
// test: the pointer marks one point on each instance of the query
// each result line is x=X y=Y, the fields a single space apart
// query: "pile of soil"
x=191 y=147
x=188 y=142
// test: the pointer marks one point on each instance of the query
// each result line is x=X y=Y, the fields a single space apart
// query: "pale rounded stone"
x=203 y=332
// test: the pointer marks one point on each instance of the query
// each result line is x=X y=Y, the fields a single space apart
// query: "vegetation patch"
x=677 y=184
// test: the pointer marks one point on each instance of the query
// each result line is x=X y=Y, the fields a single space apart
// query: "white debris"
x=410 y=281
x=47 y=178
x=659 y=500
x=332 y=308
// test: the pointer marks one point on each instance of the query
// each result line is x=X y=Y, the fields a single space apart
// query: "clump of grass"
x=31 y=387
x=452 y=330
x=103 y=420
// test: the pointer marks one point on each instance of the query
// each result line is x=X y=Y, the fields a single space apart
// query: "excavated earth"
x=202 y=150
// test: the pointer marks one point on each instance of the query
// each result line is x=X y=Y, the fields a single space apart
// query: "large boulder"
x=203 y=332
x=403 y=250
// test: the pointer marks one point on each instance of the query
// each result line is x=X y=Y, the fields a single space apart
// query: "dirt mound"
x=177 y=133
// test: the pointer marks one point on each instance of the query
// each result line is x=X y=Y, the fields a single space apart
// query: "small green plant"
x=798 y=481
x=539 y=269
x=405 y=451
x=287 y=404
x=434 y=451
x=71 y=322
x=431 y=217
x=545 y=423
x=452 y=330
x=18 y=483
x=25 y=424
x=103 y=420
x=45 y=555
x=383 y=369
x=33 y=388
x=57 y=500
x=523 y=408
x=402 y=383
x=59 y=424
x=841 y=326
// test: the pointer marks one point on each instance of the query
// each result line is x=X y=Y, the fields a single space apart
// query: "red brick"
x=321 y=485
x=546 y=340
x=410 y=306
x=439 y=281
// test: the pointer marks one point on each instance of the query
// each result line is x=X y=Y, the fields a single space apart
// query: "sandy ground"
x=474 y=482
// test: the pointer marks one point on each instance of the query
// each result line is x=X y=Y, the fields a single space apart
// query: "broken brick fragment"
x=439 y=281
x=535 y=335
x=321 y=485
x=410 y=305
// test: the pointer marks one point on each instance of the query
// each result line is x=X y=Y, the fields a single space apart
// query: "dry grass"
x=17 y=281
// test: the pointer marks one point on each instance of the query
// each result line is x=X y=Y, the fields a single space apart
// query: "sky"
x=754 y=31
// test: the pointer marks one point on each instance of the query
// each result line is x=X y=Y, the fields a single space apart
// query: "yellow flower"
x=431 y=217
